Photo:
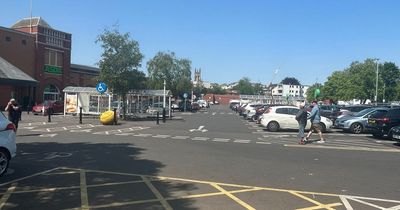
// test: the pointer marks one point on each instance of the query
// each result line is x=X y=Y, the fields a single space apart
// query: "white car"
x=283 y=117
x=8 y=147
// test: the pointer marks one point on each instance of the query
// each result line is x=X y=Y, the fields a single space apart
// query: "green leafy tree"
x=389 y=74
x=333 y=87
x=176 y=72
x=290 y=81
x=244 y=86
x=119 y=63
x=216 y=89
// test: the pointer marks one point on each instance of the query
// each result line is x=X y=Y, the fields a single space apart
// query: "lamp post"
x=376 y=85
x=164 y=112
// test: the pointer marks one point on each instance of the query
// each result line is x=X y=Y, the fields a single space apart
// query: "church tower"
x=197 y=75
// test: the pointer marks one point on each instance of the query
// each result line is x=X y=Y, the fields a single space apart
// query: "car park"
x=8 y=147
x=380 y=124
x=43 y=108
x=356 y=123
x=283 y=117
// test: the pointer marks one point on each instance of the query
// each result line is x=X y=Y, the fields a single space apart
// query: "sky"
x=231 y=39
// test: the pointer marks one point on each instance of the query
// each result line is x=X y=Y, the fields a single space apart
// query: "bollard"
x=49 y=114
x=115 y=116
x=163 y=115
x=158 y=118
x=28 y=108
x=80 y=115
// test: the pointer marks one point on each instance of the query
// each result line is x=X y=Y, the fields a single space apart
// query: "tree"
x=216 y=89
x=290 y=81
x=390 y=74
x=119 y=63
x=244 y=86
x=311 y=90
x=176 y=72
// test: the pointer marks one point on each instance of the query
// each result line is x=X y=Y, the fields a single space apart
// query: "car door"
x=282 y=117
x=58 y=106
x=292 y=122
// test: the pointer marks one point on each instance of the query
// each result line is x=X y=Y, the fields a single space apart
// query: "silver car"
x=356 y=123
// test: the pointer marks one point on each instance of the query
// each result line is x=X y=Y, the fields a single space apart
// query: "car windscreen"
x=364 y=112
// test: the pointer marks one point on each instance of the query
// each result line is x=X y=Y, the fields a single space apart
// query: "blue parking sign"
x=101 y=87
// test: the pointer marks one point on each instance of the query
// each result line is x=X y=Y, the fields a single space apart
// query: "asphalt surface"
x=212 y=159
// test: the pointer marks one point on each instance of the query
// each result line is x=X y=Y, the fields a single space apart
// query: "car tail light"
x=11 y=126
x=386 y=120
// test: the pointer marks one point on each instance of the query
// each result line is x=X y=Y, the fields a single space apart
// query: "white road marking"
x=200 y=138
x=81 y=131
x=241 y=141
x=51 y=135
x=262 y=142
x=143 y=135
x=180 y=137
x=123 y=130
x=125 y=134
x=161 y=136
x=221 y=140
x=346 y=203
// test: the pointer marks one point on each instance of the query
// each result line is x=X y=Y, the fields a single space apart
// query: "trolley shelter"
x=91 y=101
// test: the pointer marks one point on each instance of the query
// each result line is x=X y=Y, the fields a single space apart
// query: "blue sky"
x=232 y=39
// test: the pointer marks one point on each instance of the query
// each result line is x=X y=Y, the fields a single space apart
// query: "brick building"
x=44 y=54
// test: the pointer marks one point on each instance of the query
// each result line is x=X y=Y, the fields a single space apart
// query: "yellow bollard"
x=107 y=117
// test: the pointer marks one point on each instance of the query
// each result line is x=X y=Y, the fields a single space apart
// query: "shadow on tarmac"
x=96 y=160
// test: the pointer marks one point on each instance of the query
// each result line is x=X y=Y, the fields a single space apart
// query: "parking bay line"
x=221 y=140
x=343 y=148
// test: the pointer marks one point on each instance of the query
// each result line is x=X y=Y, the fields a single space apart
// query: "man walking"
x=14 y=112
x=301 y=118
x=315 y=118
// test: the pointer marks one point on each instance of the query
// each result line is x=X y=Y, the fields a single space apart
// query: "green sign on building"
x=52 y=69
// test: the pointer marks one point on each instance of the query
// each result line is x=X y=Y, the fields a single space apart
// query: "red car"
x=43 y=108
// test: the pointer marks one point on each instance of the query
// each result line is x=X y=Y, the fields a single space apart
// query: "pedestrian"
x=315 y=118
x=301 y=118
x=14 y=112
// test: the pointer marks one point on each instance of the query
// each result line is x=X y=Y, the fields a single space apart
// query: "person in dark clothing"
x=301 y=118
x=14 y=112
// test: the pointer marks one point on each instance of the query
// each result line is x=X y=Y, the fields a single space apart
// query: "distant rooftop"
x=26 y=22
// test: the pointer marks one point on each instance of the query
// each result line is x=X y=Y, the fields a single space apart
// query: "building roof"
x=26 y=22
x=83 y=67
x=11 y=75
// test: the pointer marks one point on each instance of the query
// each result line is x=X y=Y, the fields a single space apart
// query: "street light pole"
x=164 y=111
x=376 y=85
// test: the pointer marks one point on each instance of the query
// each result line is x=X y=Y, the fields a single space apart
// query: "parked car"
x=380 y=124
x=356 y=123
x=174 y=106
x=396 y=133
x=8 y=147
x=329 y=111
x=43 y=108
x=283 y=117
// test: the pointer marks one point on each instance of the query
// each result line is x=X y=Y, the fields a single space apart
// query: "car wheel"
x=273 y=126
x=322 y=127
x=356 y=128
x=4 y=161
x=254 y=118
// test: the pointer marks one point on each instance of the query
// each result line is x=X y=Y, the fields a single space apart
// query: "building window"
x=53 y=58
x=8 y=39
x=23 y=42
x=51 y=92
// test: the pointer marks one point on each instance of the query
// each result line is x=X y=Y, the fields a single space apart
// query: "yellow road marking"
x=84 y=194
x=319 y=205
x=245 y=205
x=27 y=177
x=322 y=207
x=164 y=203
x=7 y=195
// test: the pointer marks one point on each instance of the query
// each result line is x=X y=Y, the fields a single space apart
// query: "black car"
x=396 y=133
x=381 y=123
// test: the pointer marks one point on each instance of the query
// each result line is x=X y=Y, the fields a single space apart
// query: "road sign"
x=185 y=95
x=101 y=87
